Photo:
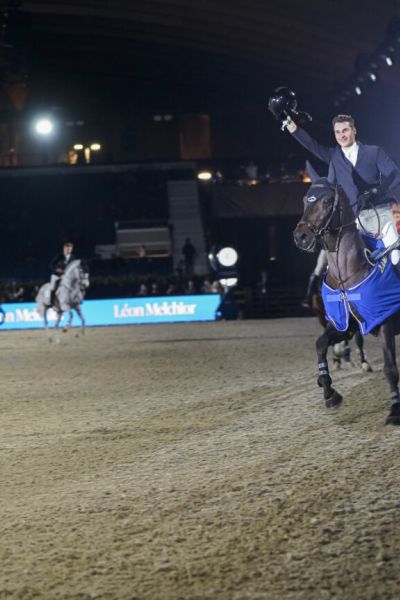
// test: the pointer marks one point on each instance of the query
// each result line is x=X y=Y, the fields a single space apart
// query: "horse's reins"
x=316 y=231
x=324 y=230
x=371 y=207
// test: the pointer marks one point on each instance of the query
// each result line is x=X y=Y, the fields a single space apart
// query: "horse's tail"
x=40 y=299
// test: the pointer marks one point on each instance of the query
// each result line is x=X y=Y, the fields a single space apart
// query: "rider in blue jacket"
x=359 y=169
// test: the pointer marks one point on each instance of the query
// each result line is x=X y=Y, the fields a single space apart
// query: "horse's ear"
x=331 y=173
x=312 y=172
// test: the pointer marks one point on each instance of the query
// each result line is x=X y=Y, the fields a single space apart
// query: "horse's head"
x=322 y=214
x=71 y=272
x=76 y=274
x=84 y=276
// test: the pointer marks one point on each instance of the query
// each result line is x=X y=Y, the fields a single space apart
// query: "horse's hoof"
x=366 y=367
x=334 y=401
x=349 y=364
x=394 y=415
x=392 y=420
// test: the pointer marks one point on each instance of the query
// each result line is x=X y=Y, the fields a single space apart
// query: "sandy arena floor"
x=194 y=462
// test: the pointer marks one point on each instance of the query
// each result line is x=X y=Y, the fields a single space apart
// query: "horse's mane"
x=70 y=269
x=73 y=264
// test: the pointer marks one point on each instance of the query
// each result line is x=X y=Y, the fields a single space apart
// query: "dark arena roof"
x=196 y=55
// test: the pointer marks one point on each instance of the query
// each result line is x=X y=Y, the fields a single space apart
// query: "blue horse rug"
x=370 y=301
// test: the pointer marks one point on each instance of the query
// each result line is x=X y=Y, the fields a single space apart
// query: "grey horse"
x=69 y=295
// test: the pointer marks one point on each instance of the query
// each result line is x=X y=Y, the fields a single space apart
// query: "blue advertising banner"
x=120 y=311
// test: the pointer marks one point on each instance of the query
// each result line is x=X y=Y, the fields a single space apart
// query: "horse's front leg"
x=330 y=337
x=80 y=315
x=68 y=324
x=56 y=336
x=58 y=319
x=391 y=371
x=359 y=340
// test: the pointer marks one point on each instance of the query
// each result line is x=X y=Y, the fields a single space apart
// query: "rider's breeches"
x=54 y=279
x=380 y=222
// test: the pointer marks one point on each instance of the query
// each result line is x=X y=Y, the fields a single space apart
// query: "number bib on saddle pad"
x=370 y=301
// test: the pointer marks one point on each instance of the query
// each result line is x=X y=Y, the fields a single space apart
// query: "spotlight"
x=227 y=257
x=204 y=175
x=388 y=55
x=223 y=259
x=372 y=76
x=358 y=90
x=229 y=281
x=44 y=127
x=224 y=262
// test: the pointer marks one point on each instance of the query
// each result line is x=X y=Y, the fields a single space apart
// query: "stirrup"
x=376 y=255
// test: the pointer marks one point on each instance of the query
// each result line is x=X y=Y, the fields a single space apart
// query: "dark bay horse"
x=328 y=217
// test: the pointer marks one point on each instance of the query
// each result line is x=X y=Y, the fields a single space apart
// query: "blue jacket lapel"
x=345 y=161
x=361 y=152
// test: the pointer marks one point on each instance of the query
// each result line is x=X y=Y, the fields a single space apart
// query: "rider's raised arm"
x=322 y=152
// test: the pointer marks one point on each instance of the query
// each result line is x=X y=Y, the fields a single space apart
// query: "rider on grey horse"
x=70 y=293
x=58 y=266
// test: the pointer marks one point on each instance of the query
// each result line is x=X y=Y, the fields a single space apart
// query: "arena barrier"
x=120 y=311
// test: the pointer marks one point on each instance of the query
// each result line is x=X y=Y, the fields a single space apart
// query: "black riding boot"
x=311 y=289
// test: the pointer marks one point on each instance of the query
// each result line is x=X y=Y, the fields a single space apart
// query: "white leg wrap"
x=322 y=261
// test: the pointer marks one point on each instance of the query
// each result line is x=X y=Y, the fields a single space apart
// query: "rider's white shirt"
x=351 y=153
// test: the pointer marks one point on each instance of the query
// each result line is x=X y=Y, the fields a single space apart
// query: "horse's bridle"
x=321 y=232
x=326 y=229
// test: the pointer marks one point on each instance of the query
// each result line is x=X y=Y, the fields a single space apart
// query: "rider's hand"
x=369 y=198
x=291 y=125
